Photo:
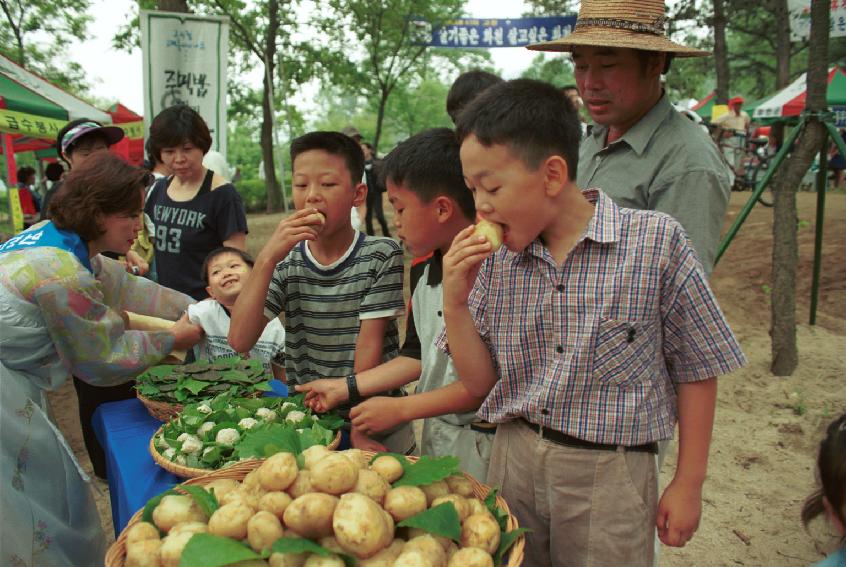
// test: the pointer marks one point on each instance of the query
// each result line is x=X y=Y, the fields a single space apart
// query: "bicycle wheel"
x=758 y=173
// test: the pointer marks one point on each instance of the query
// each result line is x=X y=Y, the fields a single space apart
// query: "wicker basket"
x=165 y=411
x=190 y=472
x=117 y=552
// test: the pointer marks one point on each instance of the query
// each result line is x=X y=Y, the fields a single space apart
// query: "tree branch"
x=241 y=31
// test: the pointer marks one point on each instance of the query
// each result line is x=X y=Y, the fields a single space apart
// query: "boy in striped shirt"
x=593 y=331
x=339 y=291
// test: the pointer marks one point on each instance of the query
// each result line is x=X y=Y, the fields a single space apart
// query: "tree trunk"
x=380 y=116
x=779 y=8
x=173 y=6
x=785 y=249
x=274 y=191
x=720 y=54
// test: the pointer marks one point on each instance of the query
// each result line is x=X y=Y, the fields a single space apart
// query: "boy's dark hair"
x=54 y=171
x=103 y=185
x=831 y=467
x=465 y=88
x=221 y=251
x=176 y=125
x=25 y=172
x=334 y=143
x=429 y=165
x=534 y=119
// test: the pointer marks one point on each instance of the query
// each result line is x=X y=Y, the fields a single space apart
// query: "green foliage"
x=441 y=520
x=202 y=379
x=427 y=470
x=551 y=7
x=555 y=68
x=27 y=23
x=207 y=550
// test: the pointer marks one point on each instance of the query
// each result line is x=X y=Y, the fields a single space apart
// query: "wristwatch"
x=352 y=387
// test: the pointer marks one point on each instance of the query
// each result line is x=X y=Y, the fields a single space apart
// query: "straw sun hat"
x=633 y=24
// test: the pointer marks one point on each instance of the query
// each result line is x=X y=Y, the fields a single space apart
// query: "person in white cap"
x=641 y=152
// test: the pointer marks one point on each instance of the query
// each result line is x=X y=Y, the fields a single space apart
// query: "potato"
x=372 y=484
x=310 y=515
x=471 y=557
x=249 y=496
x=415 y=558
x=143 y=552
x=360 y=525
x=222 y=486
x=324 y=561
x=452 y=549
x=435 y=490
x=392 y=529
x=459 y=502
x=176 y=508
x=140 y=532
x=313 y=454
x=405 y=501
x=417 y=532
x=386 y=557
x=287 y=559
x=334 y=474
x=263 y=529
x=492 y=231
x=301 y=485
x=275 y=503
x=482 y=531
x=330 y=543
x=476 y=506
x=278 y=472
x=230 y=520
x=460 y=485
x=190 y=527
x=317 y=220
x=172 y=547
x=388 y=467
x=252 y=479
x=429 y=546
x=358 y=458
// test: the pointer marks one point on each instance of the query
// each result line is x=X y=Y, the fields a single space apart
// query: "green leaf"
x=194 y=386
x=147 y=514
x=440 y=520
x=427 y=470
x=206 y=550
x=255 y=442
x=212 y=456
x=497 y=512
x=262 y=387
x=148 y=390
x=298 y=545
x=204 y=499
x=505 y=543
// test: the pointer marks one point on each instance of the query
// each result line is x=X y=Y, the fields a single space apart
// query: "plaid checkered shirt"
x=596 y=347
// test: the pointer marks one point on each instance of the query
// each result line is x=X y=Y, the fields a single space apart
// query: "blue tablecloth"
x=124 y=429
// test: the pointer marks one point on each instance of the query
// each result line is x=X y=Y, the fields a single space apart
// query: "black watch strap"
x=352 y=387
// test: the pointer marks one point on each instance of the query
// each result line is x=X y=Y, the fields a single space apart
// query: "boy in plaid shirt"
x=593 y=330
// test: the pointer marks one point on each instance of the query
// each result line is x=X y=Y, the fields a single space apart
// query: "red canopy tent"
x=132 y=146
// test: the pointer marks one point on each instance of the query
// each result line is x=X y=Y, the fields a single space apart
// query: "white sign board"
x=800 y=19
x=184 y=58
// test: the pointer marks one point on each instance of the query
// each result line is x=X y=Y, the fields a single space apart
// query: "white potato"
x=141 y=531
x=334 y=474
x=460 y=485
x=310 y=515
x=230 y=520
x=492 y=231
x=176 y=508
x=278 y=472
x=482 y=531
x=405 y=501
x=372 y=484
x=275 y=503
x=476 y=506
x=359 y=525
x=459 y=502
x=190 y=527
x=263 y=529
x=386 y=557
x=287 y=559
x=301 y=485
x=143 y=553
x=313 y=454
x=222 y=487
x=387 y=466
x=429 y=546
x=435 y=490
x=172 y=547
x=358 y=457
x=324 y=561
x=471 y=557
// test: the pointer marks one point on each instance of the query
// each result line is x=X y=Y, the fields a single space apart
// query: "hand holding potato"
x=461 y=265
x=302 y=225
x=377 y=414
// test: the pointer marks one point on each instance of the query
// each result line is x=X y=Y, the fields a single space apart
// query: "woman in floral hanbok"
x=61 y=312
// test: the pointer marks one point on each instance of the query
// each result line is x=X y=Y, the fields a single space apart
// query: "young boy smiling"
x=431 y=205
x=225 y=272
x=593 y=330
x=340 y=291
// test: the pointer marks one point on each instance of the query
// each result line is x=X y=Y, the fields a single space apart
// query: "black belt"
x=483 y=427
x=570 y=441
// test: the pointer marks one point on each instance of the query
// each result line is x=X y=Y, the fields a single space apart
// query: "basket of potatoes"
x=325 y=509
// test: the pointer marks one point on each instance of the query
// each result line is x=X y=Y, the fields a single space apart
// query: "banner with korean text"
x=800 y=19
x=492 y=32
x=184 y=59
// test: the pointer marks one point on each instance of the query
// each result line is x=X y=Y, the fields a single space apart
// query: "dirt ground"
x=767 y=428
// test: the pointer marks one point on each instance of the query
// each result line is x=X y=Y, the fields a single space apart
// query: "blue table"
x=124 y=430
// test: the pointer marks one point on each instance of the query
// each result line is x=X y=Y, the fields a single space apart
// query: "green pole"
x=747 y=208
x=822 y=187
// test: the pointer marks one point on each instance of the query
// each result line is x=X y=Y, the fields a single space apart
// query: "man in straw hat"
x=641 y=152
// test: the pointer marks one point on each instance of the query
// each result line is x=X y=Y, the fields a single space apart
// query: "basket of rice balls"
x=224 y=430
x=166 y=388
x=325 y=509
